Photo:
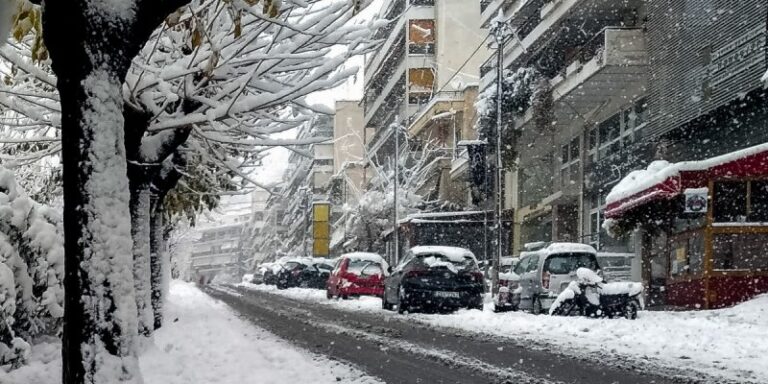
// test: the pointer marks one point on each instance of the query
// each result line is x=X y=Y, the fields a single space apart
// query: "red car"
x=357 y=274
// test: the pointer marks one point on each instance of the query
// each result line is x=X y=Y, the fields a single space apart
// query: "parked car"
x=268 y=272
x=435 y=277
x=302 y=272
x=546 y=272
x=356 y=274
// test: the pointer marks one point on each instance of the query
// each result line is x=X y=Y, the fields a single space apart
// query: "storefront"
x=704 y=226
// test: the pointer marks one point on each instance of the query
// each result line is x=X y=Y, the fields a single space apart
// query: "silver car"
x=546 y=272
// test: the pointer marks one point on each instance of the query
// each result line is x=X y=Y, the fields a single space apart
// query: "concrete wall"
x=349 y=140
x=458 y=34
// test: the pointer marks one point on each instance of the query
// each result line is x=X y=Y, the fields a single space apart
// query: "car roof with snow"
x=553 y=248
x=367 y=256
x=452 y=253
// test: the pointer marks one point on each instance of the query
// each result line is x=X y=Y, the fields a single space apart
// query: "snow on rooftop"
x=660 y=170
x=455 y=254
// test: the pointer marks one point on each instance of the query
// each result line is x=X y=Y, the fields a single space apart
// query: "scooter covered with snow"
x=589 y=295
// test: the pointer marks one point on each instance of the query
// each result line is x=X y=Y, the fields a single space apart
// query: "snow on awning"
x=664 y=180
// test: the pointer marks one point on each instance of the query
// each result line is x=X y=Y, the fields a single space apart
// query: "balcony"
x=460 y=165
x=608 y=72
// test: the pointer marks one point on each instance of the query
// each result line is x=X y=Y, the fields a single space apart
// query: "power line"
x=482 y=43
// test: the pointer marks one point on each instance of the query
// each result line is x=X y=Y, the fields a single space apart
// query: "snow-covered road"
x=203 y=341
x=728 y=343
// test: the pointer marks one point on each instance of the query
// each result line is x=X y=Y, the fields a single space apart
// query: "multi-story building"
x=592 y=58
x=631 y=82
x=253 y=230
x=288 y=221
x=431 y=50
x=219 y=248
x=709 y=118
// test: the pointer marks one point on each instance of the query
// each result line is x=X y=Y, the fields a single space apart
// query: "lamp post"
x=395 y=232
x=500 y=30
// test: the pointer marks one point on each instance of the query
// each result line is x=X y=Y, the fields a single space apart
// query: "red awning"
x=664 y=190
x=664 y=181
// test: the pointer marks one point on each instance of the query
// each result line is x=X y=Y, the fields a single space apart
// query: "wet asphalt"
x=396 y=350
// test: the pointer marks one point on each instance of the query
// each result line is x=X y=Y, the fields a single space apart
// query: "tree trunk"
x=100 y=316
x=91 y=44
x=159 y=263
x=142 y=278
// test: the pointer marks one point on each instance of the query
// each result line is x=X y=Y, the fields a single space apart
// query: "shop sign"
x=696 y=200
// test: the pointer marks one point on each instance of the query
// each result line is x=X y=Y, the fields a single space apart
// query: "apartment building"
x=219 y=248
x=629 y=83
x=431 y=53
x=592 y=58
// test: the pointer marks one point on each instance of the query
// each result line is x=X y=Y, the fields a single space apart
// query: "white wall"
x=458 y=34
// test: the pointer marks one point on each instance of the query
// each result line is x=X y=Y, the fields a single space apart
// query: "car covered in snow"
x=304 y=272
x=545 y=272
x=356 y=274
x=436 y=277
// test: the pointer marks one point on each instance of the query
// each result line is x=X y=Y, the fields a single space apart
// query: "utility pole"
x=500 y=30
x=396 y=229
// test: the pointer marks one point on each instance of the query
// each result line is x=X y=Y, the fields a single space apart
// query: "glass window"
x=522 y=265
x=592 y=138
x=740 y=251
x=575 y=148
x=730 y=201
x=758 y=199
x=610 y=129
x=533 y=264
x=564 y=154
x=565 y=263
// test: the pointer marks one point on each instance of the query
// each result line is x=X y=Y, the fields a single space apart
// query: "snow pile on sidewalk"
x=205 y=342
x=727 y=343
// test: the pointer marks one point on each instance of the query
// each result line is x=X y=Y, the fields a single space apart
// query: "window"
x=569 y=167
x=565 y=263
x=730 y=201
x=740 y=251
x=421 y=37
x=420 y=85
x=619 y=131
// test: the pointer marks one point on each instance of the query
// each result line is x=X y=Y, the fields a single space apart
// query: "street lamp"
x=500 y=29
x=395 y=126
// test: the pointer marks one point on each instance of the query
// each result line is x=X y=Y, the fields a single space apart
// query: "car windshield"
x=565 y=263
x=324 y=267
x=431 y=259
x=363 y=267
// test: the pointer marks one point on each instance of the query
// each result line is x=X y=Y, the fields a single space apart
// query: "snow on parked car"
x=436 y=277
x=356 y=274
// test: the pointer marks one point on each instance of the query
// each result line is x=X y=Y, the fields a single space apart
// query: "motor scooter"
x=589 y=295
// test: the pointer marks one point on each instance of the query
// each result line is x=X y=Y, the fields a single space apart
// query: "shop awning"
x=664 y=180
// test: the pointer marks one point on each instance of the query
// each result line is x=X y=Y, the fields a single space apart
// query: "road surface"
x=390 y=347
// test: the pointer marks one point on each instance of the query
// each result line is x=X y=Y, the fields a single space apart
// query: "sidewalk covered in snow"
x=205 y=342
x=704 y=225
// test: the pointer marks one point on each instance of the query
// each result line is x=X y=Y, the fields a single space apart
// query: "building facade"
x=624 y=84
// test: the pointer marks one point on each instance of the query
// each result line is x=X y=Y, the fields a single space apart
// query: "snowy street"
x=482 y=347
x=205 y=343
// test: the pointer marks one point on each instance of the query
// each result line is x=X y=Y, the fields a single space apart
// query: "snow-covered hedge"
x=31 y=271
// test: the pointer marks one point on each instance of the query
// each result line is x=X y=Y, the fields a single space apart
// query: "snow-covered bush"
x=518 y=94
x=31 y=270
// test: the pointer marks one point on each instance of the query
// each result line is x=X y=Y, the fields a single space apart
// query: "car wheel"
x=536 y=306
x=402 y=305
x=630 y=309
